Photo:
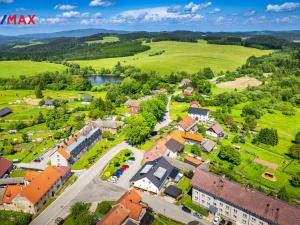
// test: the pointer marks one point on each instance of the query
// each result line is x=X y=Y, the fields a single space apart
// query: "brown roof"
x=5 y=165
x=63 y=170
x=41 y=185
x=177 y=135
x=256 y=202
x=216 y=128
x=64 y=153
x=116 y=216
x=191 y=136
x=128 y=206
x=10 y=192
x=193 y=160
x=31 y=175
x=187 y=123
x=156 y=151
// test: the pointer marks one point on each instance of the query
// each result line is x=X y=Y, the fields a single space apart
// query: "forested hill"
x=125 y=44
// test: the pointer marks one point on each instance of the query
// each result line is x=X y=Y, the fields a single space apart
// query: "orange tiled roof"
x=177 y=135
x=31 y=175
x=72 y=139
x=116 y=216
x=187 y=123
x=41 y=185
x=131 y=201
x=10 y=192
x=193 y=160
x=156 y=151
x=191 y=136
x=64 y=153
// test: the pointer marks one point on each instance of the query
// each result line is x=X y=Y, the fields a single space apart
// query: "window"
x=227 y=213
x=208 y=198
x=261 y=223
x=221 y=204
x=244 y=221
x=253 y=219
x=203 y=195
x=234 y=216
x=215 y=204
x=196 y=198
x=245 y=215
x=227 y=207
x=235 y=211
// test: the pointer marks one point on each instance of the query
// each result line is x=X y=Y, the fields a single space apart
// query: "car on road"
x=186 y=209
x=132 y=158
x=37 y=160
x=198 y=215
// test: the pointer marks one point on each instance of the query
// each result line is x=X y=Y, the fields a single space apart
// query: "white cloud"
x=20 y=9
x=101 y=3
x=215 y=10
x=154 y=15
x=287 y=6
x=193 y=7
x=287 y=19
x=50 y=21
x=220 y=19
x=6 y=1
x=250 y=13
x=98 y=15
x=91 y=21
x=70 y=14
x=85 y=15
x=65 y=7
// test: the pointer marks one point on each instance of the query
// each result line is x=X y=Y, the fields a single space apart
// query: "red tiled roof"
x=31 y=175
x=186 y=81
x=133 y=110
x=191 y=136
x=5 y=165
x=63 y=170
x=116 y=216
x=10 y=193
x=258 y=203
x=156 y=151
x=194 y=161
x=41 y=185
x=64 y=153
x=187 y=123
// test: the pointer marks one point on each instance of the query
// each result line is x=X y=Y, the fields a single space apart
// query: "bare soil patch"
x=272 y=166
x=240 y=83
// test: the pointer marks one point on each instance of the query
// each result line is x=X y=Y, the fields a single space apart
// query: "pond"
x=102 y=79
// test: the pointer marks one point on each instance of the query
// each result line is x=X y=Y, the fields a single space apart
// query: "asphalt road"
x=63 y=202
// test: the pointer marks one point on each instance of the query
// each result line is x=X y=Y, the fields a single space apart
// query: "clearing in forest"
x=240 y=83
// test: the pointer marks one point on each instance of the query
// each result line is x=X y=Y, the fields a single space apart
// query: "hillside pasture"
x=10 y=69
x=240 y=83
x=107 y=39
x=182 y=56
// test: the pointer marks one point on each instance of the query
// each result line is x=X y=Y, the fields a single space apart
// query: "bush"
x=229 y=154
x=103 y=208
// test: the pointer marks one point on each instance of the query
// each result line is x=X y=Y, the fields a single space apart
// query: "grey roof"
x=208 y=145
x=173 y=191
x=156 y=164
x=8 y=181
x=110 y=124
x=174 y=145
x=198 y=111
x=73 y=146
x=5 y=111
x=88 y=97
x=174 y=173
x=49 y=102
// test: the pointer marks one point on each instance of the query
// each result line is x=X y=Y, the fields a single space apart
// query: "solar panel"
x=160 y=172
x=146 y=169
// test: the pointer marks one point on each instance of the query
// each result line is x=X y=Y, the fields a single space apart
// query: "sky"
x=152 y=15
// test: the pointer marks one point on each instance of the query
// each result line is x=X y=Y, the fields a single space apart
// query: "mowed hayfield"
x=182 y=56
x=10 y=69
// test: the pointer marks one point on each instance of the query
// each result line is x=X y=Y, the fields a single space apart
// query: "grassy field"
x=182 y=56
x=29 y=44
x=12 y=218
x=10 y=69
x=107 y=39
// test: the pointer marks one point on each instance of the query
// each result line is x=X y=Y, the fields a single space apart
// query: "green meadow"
x=10 y=69
x=107 y=39
x=182 y=56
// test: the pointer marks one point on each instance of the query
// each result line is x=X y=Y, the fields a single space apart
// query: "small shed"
x=5 y=111
x=173 y=192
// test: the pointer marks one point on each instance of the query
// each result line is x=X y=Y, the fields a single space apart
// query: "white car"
x=216 y=220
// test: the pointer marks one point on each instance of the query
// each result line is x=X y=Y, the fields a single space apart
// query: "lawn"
x=9 y=69
x=107 y=39
x=103 y=208
x=184 y=184
x=116 y=163
x=182 y=56
x=187 y=201
x=162 y=220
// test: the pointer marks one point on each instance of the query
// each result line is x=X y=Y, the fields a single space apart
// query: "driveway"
x=61 y=205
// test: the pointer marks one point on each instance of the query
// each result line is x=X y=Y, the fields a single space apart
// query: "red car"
x=124 y=167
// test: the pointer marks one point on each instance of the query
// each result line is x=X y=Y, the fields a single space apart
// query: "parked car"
x=198 y=215
x=132 y=158
x=59 y=221
x=216 y=220
x=37 y=160
x=186 y=209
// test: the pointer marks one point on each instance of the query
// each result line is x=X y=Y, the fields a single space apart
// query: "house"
x=208 y=145
x=5 y=111
x=191 y=139
x=160 y=91
x=48 y=103
x=188 y=124
x=88 y=98
x=152 y=176
x=108 y=125
x=238 y=204
x=174 y=148
x=156 y=151
x=5 y=167
x=74 y=147
x=199 y=114
x=31 y=198
x=133 y=111
x=129 y=209
x=188 y=91
x=195 y=104
x=215 y=131
x=194 y=161
x=173 y=192
x=185 y=82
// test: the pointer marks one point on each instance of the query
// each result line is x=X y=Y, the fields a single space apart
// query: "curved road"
x=62 y=203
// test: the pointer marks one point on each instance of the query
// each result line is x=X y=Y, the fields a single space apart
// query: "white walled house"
x=198 y=114
x=174 y=148
x=234 y=202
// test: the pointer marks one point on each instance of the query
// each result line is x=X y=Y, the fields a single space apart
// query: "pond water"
x=102 y=79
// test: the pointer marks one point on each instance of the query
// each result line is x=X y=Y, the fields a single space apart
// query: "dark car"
x=222 y=222
x=198 y=215
x=59 y=221
x=186 y=209
x=132 y=158
x=37 y=160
